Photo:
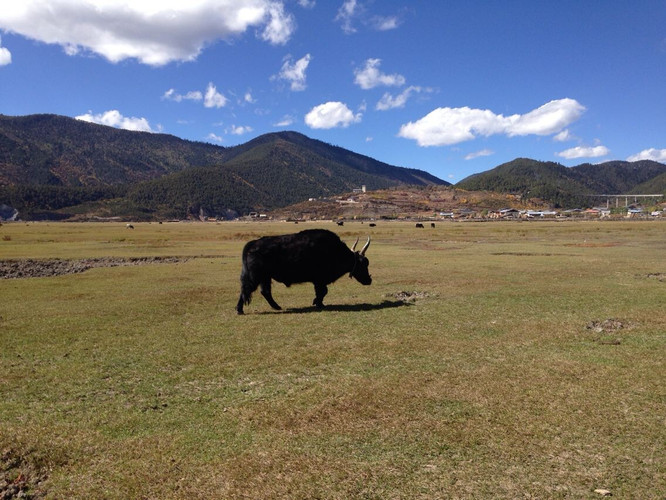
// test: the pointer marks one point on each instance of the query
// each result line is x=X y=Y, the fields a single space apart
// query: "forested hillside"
x=51 y=163
x=568 y=186
x=615 y=177
x=60 y=151
x=57 y=167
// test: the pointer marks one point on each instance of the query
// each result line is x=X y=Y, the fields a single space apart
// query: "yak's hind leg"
x=320 y=293
x=266 y=292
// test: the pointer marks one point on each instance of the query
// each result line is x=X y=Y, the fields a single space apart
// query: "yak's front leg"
x=266 y=292
x=320 y=292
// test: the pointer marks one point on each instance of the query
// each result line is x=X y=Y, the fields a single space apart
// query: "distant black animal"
x=129 y=226
x=316 y=256
x=418 y=224
x=432 y=224
x=340 y=223
x=372 y=224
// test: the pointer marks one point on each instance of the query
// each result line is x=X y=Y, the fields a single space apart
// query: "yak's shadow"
x=387 y=304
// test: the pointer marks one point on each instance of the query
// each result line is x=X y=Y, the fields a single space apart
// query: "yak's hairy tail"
x=248 y=286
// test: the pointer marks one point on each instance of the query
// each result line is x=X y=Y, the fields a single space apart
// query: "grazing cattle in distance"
x=418 y=224
x=340 y=223
x=316 y=256
x=372 y=224
x=129 y=226
x=432 y=224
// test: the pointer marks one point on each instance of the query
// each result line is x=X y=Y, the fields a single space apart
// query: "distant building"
x=597 y=212
x=505 y=213
x=530 y=214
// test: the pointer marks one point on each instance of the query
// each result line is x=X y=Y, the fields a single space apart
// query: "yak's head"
x=360 y=269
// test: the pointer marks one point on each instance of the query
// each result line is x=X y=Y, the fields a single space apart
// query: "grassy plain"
x=142 y=382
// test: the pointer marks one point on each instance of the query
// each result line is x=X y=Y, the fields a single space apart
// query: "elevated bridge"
x=626 y=198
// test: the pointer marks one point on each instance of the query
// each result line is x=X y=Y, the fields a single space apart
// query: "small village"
x=442 y=204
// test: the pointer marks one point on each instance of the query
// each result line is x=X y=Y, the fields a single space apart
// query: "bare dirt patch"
x=412 y=296
x=39 y=268
x=534 y=254
x=19 y=477
x=607 y=331
x=594 y=245
x=607 y=326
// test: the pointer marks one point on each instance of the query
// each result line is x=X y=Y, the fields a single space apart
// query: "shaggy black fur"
x=316 y=256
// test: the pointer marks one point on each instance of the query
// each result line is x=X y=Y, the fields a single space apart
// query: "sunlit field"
x=486 y=360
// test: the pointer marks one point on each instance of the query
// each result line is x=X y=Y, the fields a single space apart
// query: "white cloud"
x=172 y=95
x=381 y=23
x=650 y=154
x=5 y=55
x=346 y=14
x=279 y=26
x=295 y=72
x=286 y=121
x=213 y=99
x=390 y=102
x=564 y=136
x=479 y=154
x=446 y=126
x=584 y=152
x=354 y=12
x=154 y=33
x=306 y=4
x=113 y=118
x=214 y=137
x=239 y=130
x=369 y=76
x=248 y=98
x=547 y=119
x=331 y=115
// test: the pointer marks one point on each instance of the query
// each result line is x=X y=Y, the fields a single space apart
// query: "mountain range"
x=53 y=163
x=569 y=186
x=58 y=167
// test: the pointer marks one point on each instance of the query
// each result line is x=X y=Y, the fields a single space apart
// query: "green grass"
x=142 y=382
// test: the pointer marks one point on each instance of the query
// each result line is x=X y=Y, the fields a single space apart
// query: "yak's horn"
x=365 y=247
x=354 y=245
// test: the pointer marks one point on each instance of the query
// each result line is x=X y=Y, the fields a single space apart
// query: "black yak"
x=316 y=256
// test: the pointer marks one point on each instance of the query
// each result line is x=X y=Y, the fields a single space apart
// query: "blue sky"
x=450 y=87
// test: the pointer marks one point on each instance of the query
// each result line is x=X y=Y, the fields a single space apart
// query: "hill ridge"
x=49 y=162
x=568 y=186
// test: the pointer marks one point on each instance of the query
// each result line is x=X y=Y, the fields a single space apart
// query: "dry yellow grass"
x=498 y=380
